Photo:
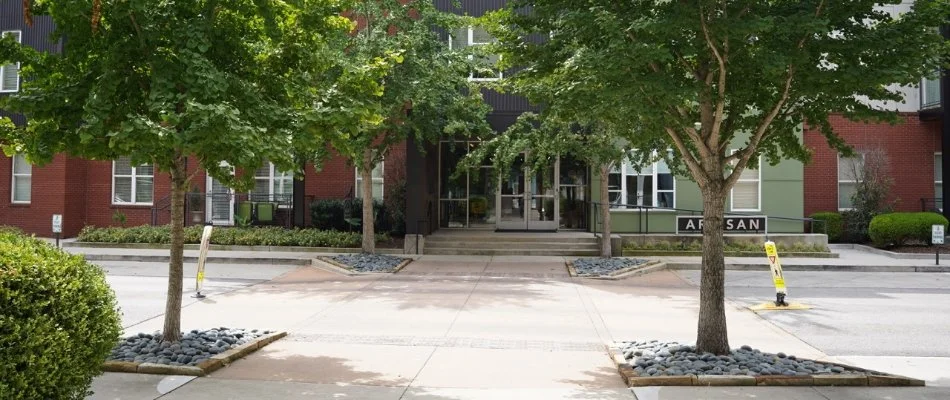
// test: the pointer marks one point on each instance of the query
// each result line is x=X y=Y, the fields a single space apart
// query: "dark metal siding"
x=39 y=36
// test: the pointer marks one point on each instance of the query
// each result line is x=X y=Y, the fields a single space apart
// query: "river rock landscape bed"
x=195 y=346
x=369 y=262
x=655 y=358
x=598 y=266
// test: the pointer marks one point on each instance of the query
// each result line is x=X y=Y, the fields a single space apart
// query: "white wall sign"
x=937 y=234
x=57 y=223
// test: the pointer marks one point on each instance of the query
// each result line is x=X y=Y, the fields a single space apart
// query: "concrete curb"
x=866 y=378
x=201 y=369
x=192 y=259
x=818 y=268
x=750 y=254
x=221 y=247
x=875 y=250
x=331 y=265
x=623 y=273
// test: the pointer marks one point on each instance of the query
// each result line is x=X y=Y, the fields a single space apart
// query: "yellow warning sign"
x=775 y=265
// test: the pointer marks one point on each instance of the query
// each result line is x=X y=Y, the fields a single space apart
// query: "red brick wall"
x=910 y=147
x=81 y=190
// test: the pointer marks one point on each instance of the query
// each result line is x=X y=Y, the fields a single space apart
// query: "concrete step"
x=508 y=252
x=526 y=245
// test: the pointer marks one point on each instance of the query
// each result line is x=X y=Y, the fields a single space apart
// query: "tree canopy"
x=720 y=83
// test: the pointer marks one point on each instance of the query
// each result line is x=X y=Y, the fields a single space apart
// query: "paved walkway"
x=453 y=327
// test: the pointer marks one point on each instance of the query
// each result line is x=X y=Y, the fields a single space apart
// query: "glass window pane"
x=459 y=39
x=261 y=189
x=938 y=190
x=938 y=167
x=11 y=77
x=664 y=181
x=378 y=171
x=662 y=168
x=849 y=169
x=613 y=198
x=745 y=196
x=143 y=190
x=123 y=190
x=122 y=166
x=20 y=166
x=452 y=187
x=665 y=199
x=613 y=181
x=263 y=171
x=378 y=190
x=845 y=191
x=480 y=35
x=21 y=188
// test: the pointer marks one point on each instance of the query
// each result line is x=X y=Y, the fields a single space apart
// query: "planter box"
x=686 y=253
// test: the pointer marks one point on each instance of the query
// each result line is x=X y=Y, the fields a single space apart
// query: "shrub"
x=833 y=224
x=898 y=229
x=58 y=320
x=332 y=214
x=251 y=236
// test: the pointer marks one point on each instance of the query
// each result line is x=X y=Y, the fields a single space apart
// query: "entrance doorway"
x=528 y=199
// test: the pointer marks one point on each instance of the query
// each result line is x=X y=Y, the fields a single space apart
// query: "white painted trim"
x=655 y=192
x=134 y=177
x=14 y=175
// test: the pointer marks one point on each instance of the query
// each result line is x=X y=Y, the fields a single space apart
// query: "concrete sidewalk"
x=455 y=327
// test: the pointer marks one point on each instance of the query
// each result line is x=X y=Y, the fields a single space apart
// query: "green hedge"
x=898 y=229
x=58 y=320
x=833 y=224
x=729 y=247
x=332 y=214
x=251 y=236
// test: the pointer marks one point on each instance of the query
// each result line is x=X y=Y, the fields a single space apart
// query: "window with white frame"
x=747 y=193
x=10 y=73
x=22 y=180
x=653 y=185
x=477 y=36
x=938 y=175
x=272 y=184
x=377 y=182
x=132 y=184
x=850 y=170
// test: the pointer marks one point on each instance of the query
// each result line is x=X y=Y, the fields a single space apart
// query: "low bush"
x=58 y=320
x=898 y=229
x=249 y=236
x=337 y=215
x=832 y=224
x=685 y=246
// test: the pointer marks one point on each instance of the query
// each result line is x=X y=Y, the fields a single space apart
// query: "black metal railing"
x=933 y=205
x=809 y=225
x=243 y=209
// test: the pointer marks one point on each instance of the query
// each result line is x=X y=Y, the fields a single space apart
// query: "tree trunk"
x=172 y=329
x=369 y=231
x=605 y=250
x=712 y=335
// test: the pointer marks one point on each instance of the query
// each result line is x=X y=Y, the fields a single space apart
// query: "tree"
x=870 y=171
x=163 y=82
x=424 y=92
x=722 y=83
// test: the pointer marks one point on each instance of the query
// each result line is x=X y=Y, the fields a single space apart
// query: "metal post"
x=57 y=245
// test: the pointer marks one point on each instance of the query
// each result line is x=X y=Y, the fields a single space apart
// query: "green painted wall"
x=782 y=195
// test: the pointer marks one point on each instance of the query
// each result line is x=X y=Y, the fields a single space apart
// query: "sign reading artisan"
x=733 y=224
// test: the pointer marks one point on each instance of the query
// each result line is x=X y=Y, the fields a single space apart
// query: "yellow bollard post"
x=778 y=279
x=202 y=255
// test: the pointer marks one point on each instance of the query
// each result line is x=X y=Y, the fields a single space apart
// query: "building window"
x=850 y=170
x=132 y=185
x=476 y=36
x=938 y=176
x=652 y=186
x=22 y=180
x=377 y=183
x=10 y=73
x=747 y=193
x=272 y=184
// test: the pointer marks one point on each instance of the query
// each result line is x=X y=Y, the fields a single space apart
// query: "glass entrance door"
x=528 y=200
